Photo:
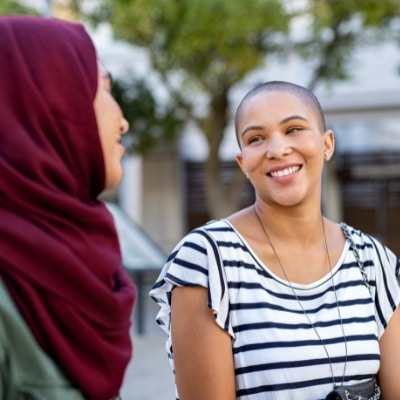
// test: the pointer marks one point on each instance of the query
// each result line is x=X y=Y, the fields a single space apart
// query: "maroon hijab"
x=59 y=253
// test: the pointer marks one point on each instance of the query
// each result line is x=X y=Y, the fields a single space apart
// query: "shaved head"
x=281 y=86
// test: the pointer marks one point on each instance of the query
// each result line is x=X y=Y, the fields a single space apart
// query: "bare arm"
x=389 y=371
x=203 y=358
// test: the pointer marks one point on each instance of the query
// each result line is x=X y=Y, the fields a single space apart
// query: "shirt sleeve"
x=195 y=261
x=385 y=291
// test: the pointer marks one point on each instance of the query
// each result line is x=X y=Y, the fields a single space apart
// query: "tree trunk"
x=222 y=197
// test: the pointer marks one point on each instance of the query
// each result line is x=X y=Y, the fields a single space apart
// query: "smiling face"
x=111 y=125
x=283 y=146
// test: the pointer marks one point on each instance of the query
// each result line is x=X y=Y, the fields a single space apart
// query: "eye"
x=294 y=129
x=254 y=139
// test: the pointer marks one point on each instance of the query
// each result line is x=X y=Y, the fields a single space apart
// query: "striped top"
x=278 y=355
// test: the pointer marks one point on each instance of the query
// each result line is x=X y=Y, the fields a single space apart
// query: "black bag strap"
x=356 y=253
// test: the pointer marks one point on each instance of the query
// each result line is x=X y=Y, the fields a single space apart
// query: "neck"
x=289 y=226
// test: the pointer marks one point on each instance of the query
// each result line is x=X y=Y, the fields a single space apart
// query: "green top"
x=26 y=371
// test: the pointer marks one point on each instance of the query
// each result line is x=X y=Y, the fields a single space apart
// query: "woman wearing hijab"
x=65 y=299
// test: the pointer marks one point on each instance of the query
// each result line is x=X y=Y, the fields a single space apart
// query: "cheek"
x=108 y=113
x=252 y=157
x=100 y=111
x=310 y=145
x=314 y=158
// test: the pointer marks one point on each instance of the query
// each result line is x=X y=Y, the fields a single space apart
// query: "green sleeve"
x=26 y=371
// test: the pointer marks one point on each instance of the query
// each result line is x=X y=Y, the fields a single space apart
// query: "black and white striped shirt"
x=278 y=355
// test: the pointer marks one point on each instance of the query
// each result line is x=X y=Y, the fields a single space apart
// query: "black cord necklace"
x=338 y=392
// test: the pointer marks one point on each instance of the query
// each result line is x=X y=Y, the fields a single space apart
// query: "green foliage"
x=216 y=42
x=337 y=27
x=8 y=7
x=149 y=123
x=370 y=13
x=212 y=45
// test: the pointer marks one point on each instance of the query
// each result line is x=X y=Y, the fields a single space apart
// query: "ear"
x=329 y=144
x=239 y=160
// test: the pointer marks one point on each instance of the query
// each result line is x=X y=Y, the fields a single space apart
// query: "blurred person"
x=65 y=298
x=276 y=301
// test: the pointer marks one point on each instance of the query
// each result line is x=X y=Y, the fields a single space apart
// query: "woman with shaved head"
x=276 y=301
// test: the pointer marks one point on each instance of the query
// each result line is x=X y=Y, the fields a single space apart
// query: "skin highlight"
x=112 y=125
x=306 y=95
x=283 y=149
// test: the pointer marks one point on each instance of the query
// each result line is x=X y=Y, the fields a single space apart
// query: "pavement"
x=149 y=376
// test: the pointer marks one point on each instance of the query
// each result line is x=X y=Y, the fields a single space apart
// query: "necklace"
x=337 y=393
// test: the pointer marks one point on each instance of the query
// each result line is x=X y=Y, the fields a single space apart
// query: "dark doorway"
x=371 y=194
x=197 y=212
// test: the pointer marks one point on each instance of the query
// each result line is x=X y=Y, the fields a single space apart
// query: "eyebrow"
x=287 y=119
x=284 y=121
x=252 y=128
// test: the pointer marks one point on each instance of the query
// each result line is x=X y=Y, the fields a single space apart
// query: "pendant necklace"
x=338 y=392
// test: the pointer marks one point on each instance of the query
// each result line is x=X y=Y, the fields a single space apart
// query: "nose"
x=124 y=125
x=277 y=147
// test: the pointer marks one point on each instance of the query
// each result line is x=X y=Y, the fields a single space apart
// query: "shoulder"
x=33 y=372
x=201 y=242
x=361 y=239
x=213 y=230
x=373 y=252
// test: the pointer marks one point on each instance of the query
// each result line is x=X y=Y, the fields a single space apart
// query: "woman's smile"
x=280 y=173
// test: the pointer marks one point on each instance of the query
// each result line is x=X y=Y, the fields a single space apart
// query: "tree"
x=15 y=7
x=212 y=45
x=337 y=28
x=152 y=123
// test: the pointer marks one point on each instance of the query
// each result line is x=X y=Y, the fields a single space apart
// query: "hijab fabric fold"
x=60 y=258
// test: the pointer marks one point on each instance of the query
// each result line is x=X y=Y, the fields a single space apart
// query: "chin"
x=113 y=180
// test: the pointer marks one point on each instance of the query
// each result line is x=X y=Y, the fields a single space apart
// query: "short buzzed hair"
x=282 y=86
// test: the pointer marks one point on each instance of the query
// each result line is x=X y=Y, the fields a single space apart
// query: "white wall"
x=163 y=203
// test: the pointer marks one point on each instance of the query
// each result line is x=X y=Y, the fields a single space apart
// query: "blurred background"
x=180 y=68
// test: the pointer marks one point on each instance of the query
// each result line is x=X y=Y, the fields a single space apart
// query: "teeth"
x=284 y=172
